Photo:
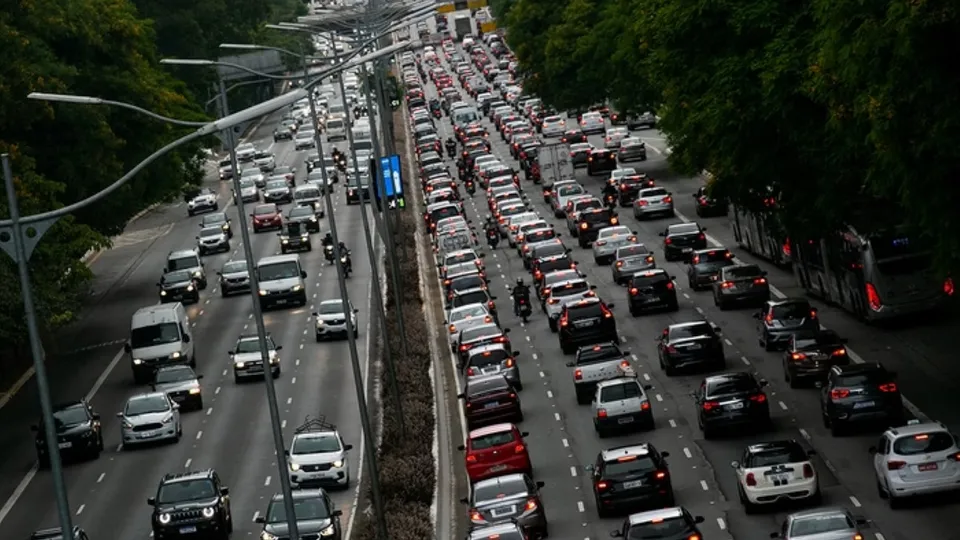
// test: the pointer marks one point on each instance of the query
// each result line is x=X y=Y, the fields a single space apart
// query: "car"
x=621 y=404
x=265 y=217
x=558 y=294
x=176 y=512
x=630 y=259
x=576 y=205
x=651 y=289
x=731 y=400
x=705 y=266
x=490 y=399
x=601 y=160
x=285 y=130
x=743 y=284
x=226 y=169
x=609 y=239
x=463 y=256
x=592 y=122
x=573 y=136
x=217 y=219
x=779 y=319
x=318 y=457
x=479 y=295
x=494 y=358
x=212 y=240
x=254 y=174
x=542 y=283
x=918 y=459
x=234 y=277
x=247 y=358
x=496 y=450
x=655 y=201
x=249 y=192
x=306 y=215
x=463 y=317
x=630 y=477
x=148 y=418
x=265 y=161
x=181 y=384
x=553 y=126
x=820 y=523
x=290 y=173
x=541 y=250
x=187 y=259
x=631 y=149
x=562 y=193
x=707 y=206
x=510 y=498
x=305 y=139
x=590 y=221
x=78 y=429
x=543 y=265
x=690 y=344
x=860 y=394
x=294 y=237
x=178 y=286
x=316 y=516
x=646 y=119
x=586 y=322
x=773 y=472
x=810 y=355
x=204 y=201
x=579 y=152
x=245 y=151
x=355 y=194
x=664 y=524
x=331 y=321
x=629 y=187
x=477 y=336
x=277 y=191
x=614 y=136
x=682 y=239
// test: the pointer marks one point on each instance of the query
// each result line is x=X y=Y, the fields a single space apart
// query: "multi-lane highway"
x=232 y=433
x=562 y=440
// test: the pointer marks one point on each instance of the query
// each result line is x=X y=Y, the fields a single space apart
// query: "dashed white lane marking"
x=217 y=391
x=700 y=310
x=549 y=394
x=293 y=380
x=245 y=326
x=101 y=477
x=687 y=452
x=745 y=360
x=782 y=405
x=255 y=515
x=634 y=358
x=659 y=397
x=201 y=313
x=580 y=506
x=224 y=373
x=673 y=423
x=297 y=363
x=880 y=537
x=199 y=434
x=209 y=411
x=289 y=400
x=646 y=376
x=528 y=338
x=556 y=416
x=855 y=501
x=722 y=524
x=542 y=374
x=703 y=484
x=301 y=346
x=534 y=356
x=80 y=510
x=566 y=443
x=573 y=471
x=267 y=481
x=283 y=424
x=186 y=464
x=728 y=342
x=687 y=296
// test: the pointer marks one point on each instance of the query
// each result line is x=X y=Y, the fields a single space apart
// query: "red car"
x=490 y=399
x=266 y=216
x=496 y=450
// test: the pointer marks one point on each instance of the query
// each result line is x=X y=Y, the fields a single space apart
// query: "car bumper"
x=219 y=246
x=331 y=330
x=700 y=359
x=631 y=156
x=638 y=303
x=202 y=207
x=652 y=209
x=678 y=252
x=201 y=529
x=483 y=471
x=285 y=298
x=193 y=296
x=652 y=497
x=581 y=337
x=750 y=416
x=251 y=370
x=228 y=287
x=899 y=488
x=625 y=421
x=79 y=447
x=881 y=413
x=794 y=491
x=334 y=476
x=814 y=369
x=748 y=297
x=261 y=225
x=166 y=433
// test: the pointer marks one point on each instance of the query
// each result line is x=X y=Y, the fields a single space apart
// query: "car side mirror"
x=698 y=519
x=593 y=287
x=764 y=382
x=464 y=501
x=506 y=330
x=735 y=464
x=303 y=275
x=515 y=353
x=176 y=406
x=151 y=501
x=260 y=519
x=695 y=196
x=862 y=521
x=774 y=535
x=315 y=314
x=35 y=428
x=199 y=376
x=197 y=237
x=703 y=229
x=571 y=364
x=337 y=513
x=818 y=384
x=483 y=255
x=493 y=297
x=347 y=447
x=224 y=491
x=568 y=250
x=558 y=235
x=611 y=305
x=756 y=316
x=486 y=280
x=158 y=284
x=439 y=265
x=540 y=484
x=96 y=416
x=127 y=348
x=278 y=348
x=461 y=448
x=524 y=434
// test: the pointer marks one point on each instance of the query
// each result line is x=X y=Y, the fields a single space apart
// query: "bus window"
x=899 y=255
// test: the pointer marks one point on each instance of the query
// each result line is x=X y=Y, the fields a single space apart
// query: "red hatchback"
x=496 y=450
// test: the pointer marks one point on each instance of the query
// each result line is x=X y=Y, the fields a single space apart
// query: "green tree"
x=527 y=22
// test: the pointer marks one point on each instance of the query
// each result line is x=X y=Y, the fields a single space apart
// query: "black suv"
x=294 y=237
x=600 y=161
x=731 y=400
x=652 y=289
x=316 y=516
x=191 y=503
x=629 y=478
x=779 y=320
x=628 y=187
x=690 y=344
x=586 y=322
x=682 y=239
x=666 y=524
x=591 y=220
x=860 y=394
x=78 y=431
x=56 y=533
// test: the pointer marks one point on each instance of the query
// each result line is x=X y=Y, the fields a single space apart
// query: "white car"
x=553 y=126
x=206 y=200
x=617 y=174
x=254 y=174
x=249 y=191
x=318 y=457
x=331 y=321
x=592 y=122
x=776 y=472
x=609 y=240
x=614 y=137
x=305 y=140
x=148 y=418
x=464 y=317
x=246 y=152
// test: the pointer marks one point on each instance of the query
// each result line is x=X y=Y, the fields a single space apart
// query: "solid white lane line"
x=659 y=397
x=100 y=478
x=880 y=537
x=297 y=363
x=700 y=310
x=703 y=484
x=646 y=376
x=745 y=360
x=855 y=501
x=217 y=391
x=283 y=424
x=580 y=506
x=722 y=524
x=687 y=452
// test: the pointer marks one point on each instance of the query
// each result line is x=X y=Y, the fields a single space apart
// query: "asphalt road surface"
x=232 y=433
x=562 y=440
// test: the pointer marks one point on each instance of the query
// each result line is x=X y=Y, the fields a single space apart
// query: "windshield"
x=146 y=405
x=570 y=289
x=187 y=490
x=597 y=216
x=277 y=184
x=178 y=276
x=280 y=270
x=488 y=358
x=617 y=392
x=477 y=297
x=683 y=228
x=175 y=374
x=214 y=219
x=233 y=267
x=305 y=509
x=211 y=231
x=492 y=440
x=637 y=465
x=265 y=209
x=301 y=211
x=307 y=194
x=331 y=308
x=316 y=444
x=183 y=263
x=247 y=184
x=71 y=416
x=499 y=490
x=157 y=334
x=249 y=173
x=693 y=330
x=253 y=345
x=812 y=525
x=668 y=528
x=467 y=313
x=745 y=271
x=792 y=310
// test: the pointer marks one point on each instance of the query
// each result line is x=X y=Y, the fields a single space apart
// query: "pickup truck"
x=595 y=363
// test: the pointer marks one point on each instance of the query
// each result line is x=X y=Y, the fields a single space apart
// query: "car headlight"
x=267 y=536
x=168 y=419
x=226 y=226
x=197 y=274
x=162 y=293
x=137 y=361
x=284 y=241
x=294 y=466
x=164 y=518
x=239 y=364
x=338 y=463
x=274 y=358
x=189 y=287
x=209 y=511
x=195 y=391
x=263 y=292
x=296 y=288
x=328 y=531
x=304 y=237
x=313 y=219
x=126 y=424
x=175 y=355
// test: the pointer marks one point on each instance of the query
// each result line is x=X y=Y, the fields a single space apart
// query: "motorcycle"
x=451 y=149
x=346 y=264
x=328 y=253
x=493 y=238
x=522 y=308
x=471 y=187
x=437 y=113
x=610 y=200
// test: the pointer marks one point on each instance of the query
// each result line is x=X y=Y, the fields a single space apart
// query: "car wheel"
x=748 y=507
x=601 y=512
x=519 y=417
x=553 y=325
x=882 y=493
x=836 y=429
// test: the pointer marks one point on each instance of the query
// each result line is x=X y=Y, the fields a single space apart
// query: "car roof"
x=723 y=377
x=497 y=480
x=491 y=347
x=490 y=430
x=617 y=381
x=686 y=324
x=299 y=494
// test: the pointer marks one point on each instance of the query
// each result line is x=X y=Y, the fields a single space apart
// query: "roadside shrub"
x=405 y=478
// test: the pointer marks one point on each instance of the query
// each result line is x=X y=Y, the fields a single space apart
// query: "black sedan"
x=601 y=161
x=78 y=433
x=305 y=215
x=682 y=239
x=690 y=345
x=731 y=400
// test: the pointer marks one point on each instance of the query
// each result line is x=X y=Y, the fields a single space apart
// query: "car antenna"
x=315 y=423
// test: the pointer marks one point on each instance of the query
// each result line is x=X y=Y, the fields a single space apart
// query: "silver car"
x=248 y=191
x=558 y=294
x=629 y=260
x=305 y=140
x=148 y=418
x=609 y=240
x=206 y=200
x=234 y=277
x=592 y=122
x=212 y=240
x=265 y=161
x=653 y=201
x=331 y=321
x=491 y=360
x=625 y=406
x=277 y=191
x=647 y=119
x=614 y=137
x=246 y=152
x=255 y=174
x=553 y=126
x=632 y=149
x=465 y=317
x=181 y=384
x=821 y=524
x=247 y=360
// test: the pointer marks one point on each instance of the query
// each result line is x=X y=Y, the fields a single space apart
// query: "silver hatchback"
x=181 y=384
x=592 y=122
x=653 y=201
x=614 y=137
x=148 y=418
x=621 y=404
x=821 y=524
x=494 y=359
x=609 y=240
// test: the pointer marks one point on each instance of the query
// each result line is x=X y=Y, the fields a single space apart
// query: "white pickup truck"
x=595 y=363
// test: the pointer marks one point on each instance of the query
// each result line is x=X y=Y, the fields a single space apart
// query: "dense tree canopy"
x=847 y=110
x=65 y=153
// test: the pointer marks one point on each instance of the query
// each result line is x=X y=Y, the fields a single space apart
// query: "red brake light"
x=896 y=465
x=760 y=281
x=465 y=347
x=873 y=297
x=948 y=287
x=475 y=516
x=645 y=406
x=607 y=314
x=642 y=202
x=471 y=372
x=578 y=374
x=839 y=393
x=669 y=285
x=797 y=356
x=669 y=200
x=519 y=449
x=666 y=241
x=509 y=362
x=602 y=486
x=758 y=398
x=531 y=504
x=660 y=475
x=807 y=470
x=710 y=405
x=726 y=285
x=751 y=479
x=471 y=458
x=583 y=225
x=888 y=387
x=769 y=317
x=602 y=413
x=634 y=291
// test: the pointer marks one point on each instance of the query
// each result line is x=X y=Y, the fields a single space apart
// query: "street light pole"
x=36 y=350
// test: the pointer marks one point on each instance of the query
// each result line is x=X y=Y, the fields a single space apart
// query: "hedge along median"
x=406 y=465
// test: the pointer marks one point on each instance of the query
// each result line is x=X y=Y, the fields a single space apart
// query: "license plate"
x=780 y=479
x=487 y=371
x=146 y=435
x=493 y=405
x=650 y=300
x=927 y=467
x=498 y=468
x=505 y=511
x=687 y=250
x=863 y=405
x=65 y=445
x=734 y=406
x=694 y=347
x=634 y=484
x=584 y=324
x=188 y=530
x=626 y=420
x=282 y=301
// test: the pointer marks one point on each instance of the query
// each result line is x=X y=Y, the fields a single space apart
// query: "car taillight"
x=759 y=281
x=634 y=291
x=758 y=398
x=955 y=457
x=660 y=475
x=671 y=349
x=519 y=449
x=710 y=405
x=645 y=406
x=694 y=537
x=601 y=413
x=578 y=375
x=584 y=226
x=531 y=505
x=669 y=285
x=475 y=516
x=619 y=264
x=701 y=236
x=668 y=199
x=471 y=458
x=888 y=387
x=948 y=287
x=813 y=314
x=471 y=372
x=667 y=241
x=873 y=297
x=797 y=356
x=807 y=470
x=614 y=220
x=491 y=305
x=751 y=479
x=726 y=285
x=465 y=348
x=607 y=314
x=601 y=486
x=839 y=393
x=769 y=317
x=546 y=193
x=839 y=352
x=643 y=202
x=513 y=395
x=896 y=465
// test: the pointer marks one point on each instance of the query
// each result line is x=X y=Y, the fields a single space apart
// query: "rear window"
x=683 y=228
x=731 y=386
x=923 y=443
x=822 y=339
x=793 y=310
x=693 y=330
x=481 y=332
x=744 y=271
x=776 y=456
x=570 y=289
x=636 y=180
x=587 y=205
x=499 y=490
x=602 y=216
x=446 y=212
x=634 y=465
x=493 y=384
x=663 y=193
x=478 y=297
x=630 y=251
x=569 y=190
x=489 y=441
x=649 y=281
x=585 y=311
x=668 y=528
x=487 y=358
x=617 y=392
x=555 y=264
x=467 y=282
x=549 y=250
x=867 y=378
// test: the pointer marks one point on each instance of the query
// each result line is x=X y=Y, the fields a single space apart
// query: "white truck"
x=554 y=164
x=463 y=26
x=596 y=363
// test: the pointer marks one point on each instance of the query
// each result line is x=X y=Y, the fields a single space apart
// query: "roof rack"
x=317 y=423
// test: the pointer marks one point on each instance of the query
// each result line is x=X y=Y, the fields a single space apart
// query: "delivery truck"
x=463 y=26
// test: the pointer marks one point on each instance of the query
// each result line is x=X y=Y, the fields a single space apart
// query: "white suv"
x=916 y=459
x=318 y=456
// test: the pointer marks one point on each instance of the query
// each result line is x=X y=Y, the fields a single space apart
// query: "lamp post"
x=20 y=235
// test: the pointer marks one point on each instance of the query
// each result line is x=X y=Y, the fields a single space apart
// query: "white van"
x=336 y=129
x=281 y=281
x=361 y=131
x=159 y=336
x=308 y=194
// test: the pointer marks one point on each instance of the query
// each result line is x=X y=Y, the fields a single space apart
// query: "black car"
x=667 y=524
x=690 y=344
x=56 y=533
x=545 y=265
x=466 y=282
x=315 y=513
x=590 y=221
x=705 y=266
x=354 y=193
x=191 y=503
x=305 y=215
x=179 y=286
x=586 y=322
x=579 y=153
x=708 y=206
x=740 y=284
x=860 y=394
x=731 y=400
x=652 y=289
x=629 y=478
x=778 y=320
x=294 y=237
x=682 y=239
x=600 y=161
x=811 y=353
x=78 y=433
x=629 y=186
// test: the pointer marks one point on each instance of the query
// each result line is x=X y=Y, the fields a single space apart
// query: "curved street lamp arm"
x=85 y=100
x=257 y=73
x=231 y=88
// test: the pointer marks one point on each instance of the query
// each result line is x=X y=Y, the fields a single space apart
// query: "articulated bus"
x=875 y=276
x=758 y=233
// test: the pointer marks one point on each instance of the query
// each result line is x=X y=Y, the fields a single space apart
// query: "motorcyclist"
x=521 y=295
x=609 y=193
x=490 y=227
x=451 y=145
x=327 y=240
